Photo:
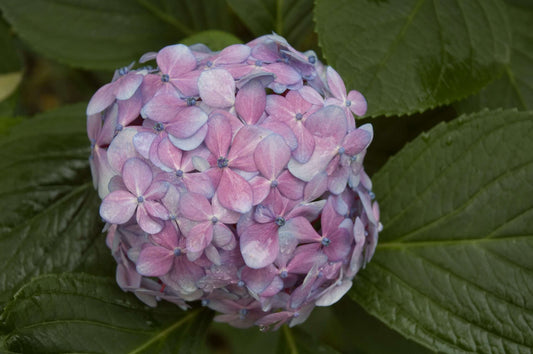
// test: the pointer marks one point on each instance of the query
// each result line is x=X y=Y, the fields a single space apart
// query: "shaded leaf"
x=291 y=19
x=82 y=313
x=49 y=216
x=226 y=339
x=453 y=269
x=515 y=87
x=92 y=34
x=409 y=56
x=214 y=39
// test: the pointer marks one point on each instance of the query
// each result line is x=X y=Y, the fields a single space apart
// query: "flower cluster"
x=234 y=178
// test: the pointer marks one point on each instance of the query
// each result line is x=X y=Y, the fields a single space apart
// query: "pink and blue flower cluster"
x=234 y=178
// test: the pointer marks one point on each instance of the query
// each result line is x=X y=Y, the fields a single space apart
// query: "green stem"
x=279 y=17
x=290 y=340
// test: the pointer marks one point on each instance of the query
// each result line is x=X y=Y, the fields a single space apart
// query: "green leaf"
x=515 y=87
x=192 y=16
x=453 y=268
x=409 y=56
x=6 y=123
x=295 y=341
x=87 y=314
x=10 y=63
x=291 y=19
x=93 y=34
x=214 y=39
x=49 y=216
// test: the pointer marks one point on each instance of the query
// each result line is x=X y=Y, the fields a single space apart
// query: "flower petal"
x=218 y=136
x=234 y=192
x=259 y=245
x=192 y=142
x=195 y=207
x=200 y=236
x=121 y=149
x=250 y=102
x=187 y=122
x=329 y=121
x=154 y=261
x=358 y=103
x=146 y=222
x=176 y=59
x=137 y=176
x=335 y=83
x=271 y=156
x=118 y=207
x=163 y=107
x=217 y=88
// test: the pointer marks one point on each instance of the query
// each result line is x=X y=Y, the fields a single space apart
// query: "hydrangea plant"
x=228 y=179
x=234 y=178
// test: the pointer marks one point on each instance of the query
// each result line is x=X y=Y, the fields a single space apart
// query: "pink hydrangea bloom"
x=234 y=178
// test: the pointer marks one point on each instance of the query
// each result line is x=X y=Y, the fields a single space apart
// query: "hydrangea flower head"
x=234 y=178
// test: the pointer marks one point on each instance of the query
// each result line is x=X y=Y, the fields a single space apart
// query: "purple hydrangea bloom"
x=234 y=178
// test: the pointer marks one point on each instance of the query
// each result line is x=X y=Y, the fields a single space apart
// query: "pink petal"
x=137 y=176
x=234 y=192
x=169 y=155
x=334 y=294
x=156 y=210
x=142 y=142
x=259 y=245
x=222 y=235
x=195 y=207
x=261 y=188
x=129 y=110
x=339 y=248
x=306 y=143
x=316 y=187
x=121 y=149
x=323 y=153
x=163 y=107
x=329 y=121
x=335 y=83
x=168 y=237
x=200 y=236
x=358 y=103
x=199 y=183
x=154 y=261
x=175 y=60
x=118 y=207
x=224 y=215
x=192 y=142
x=187 y=83
x=357 y=140
x=218 y=136
x=282 y=129
x=302 y=229
x=236 y=53
x=187 y=122
x=157 y=190
x=311 y=95
x=127 y=85
x=338 y=180
x=290 y=186
x=271 y=156
x=146 y=222
x=217 y=88
x=245 y=142
x=258 y=280
x=101 y=99
x=285 y=74
x=250 y=102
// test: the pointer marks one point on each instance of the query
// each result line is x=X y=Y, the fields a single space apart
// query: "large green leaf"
x=49 y=216
x=87 y=314
x=92 y=34
x=515 y=87
x=289 y=18
x=99 y=34
x=409 y=56
x=10 y=63
x=454 y=267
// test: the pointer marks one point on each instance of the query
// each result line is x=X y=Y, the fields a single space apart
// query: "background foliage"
x=449 y=85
